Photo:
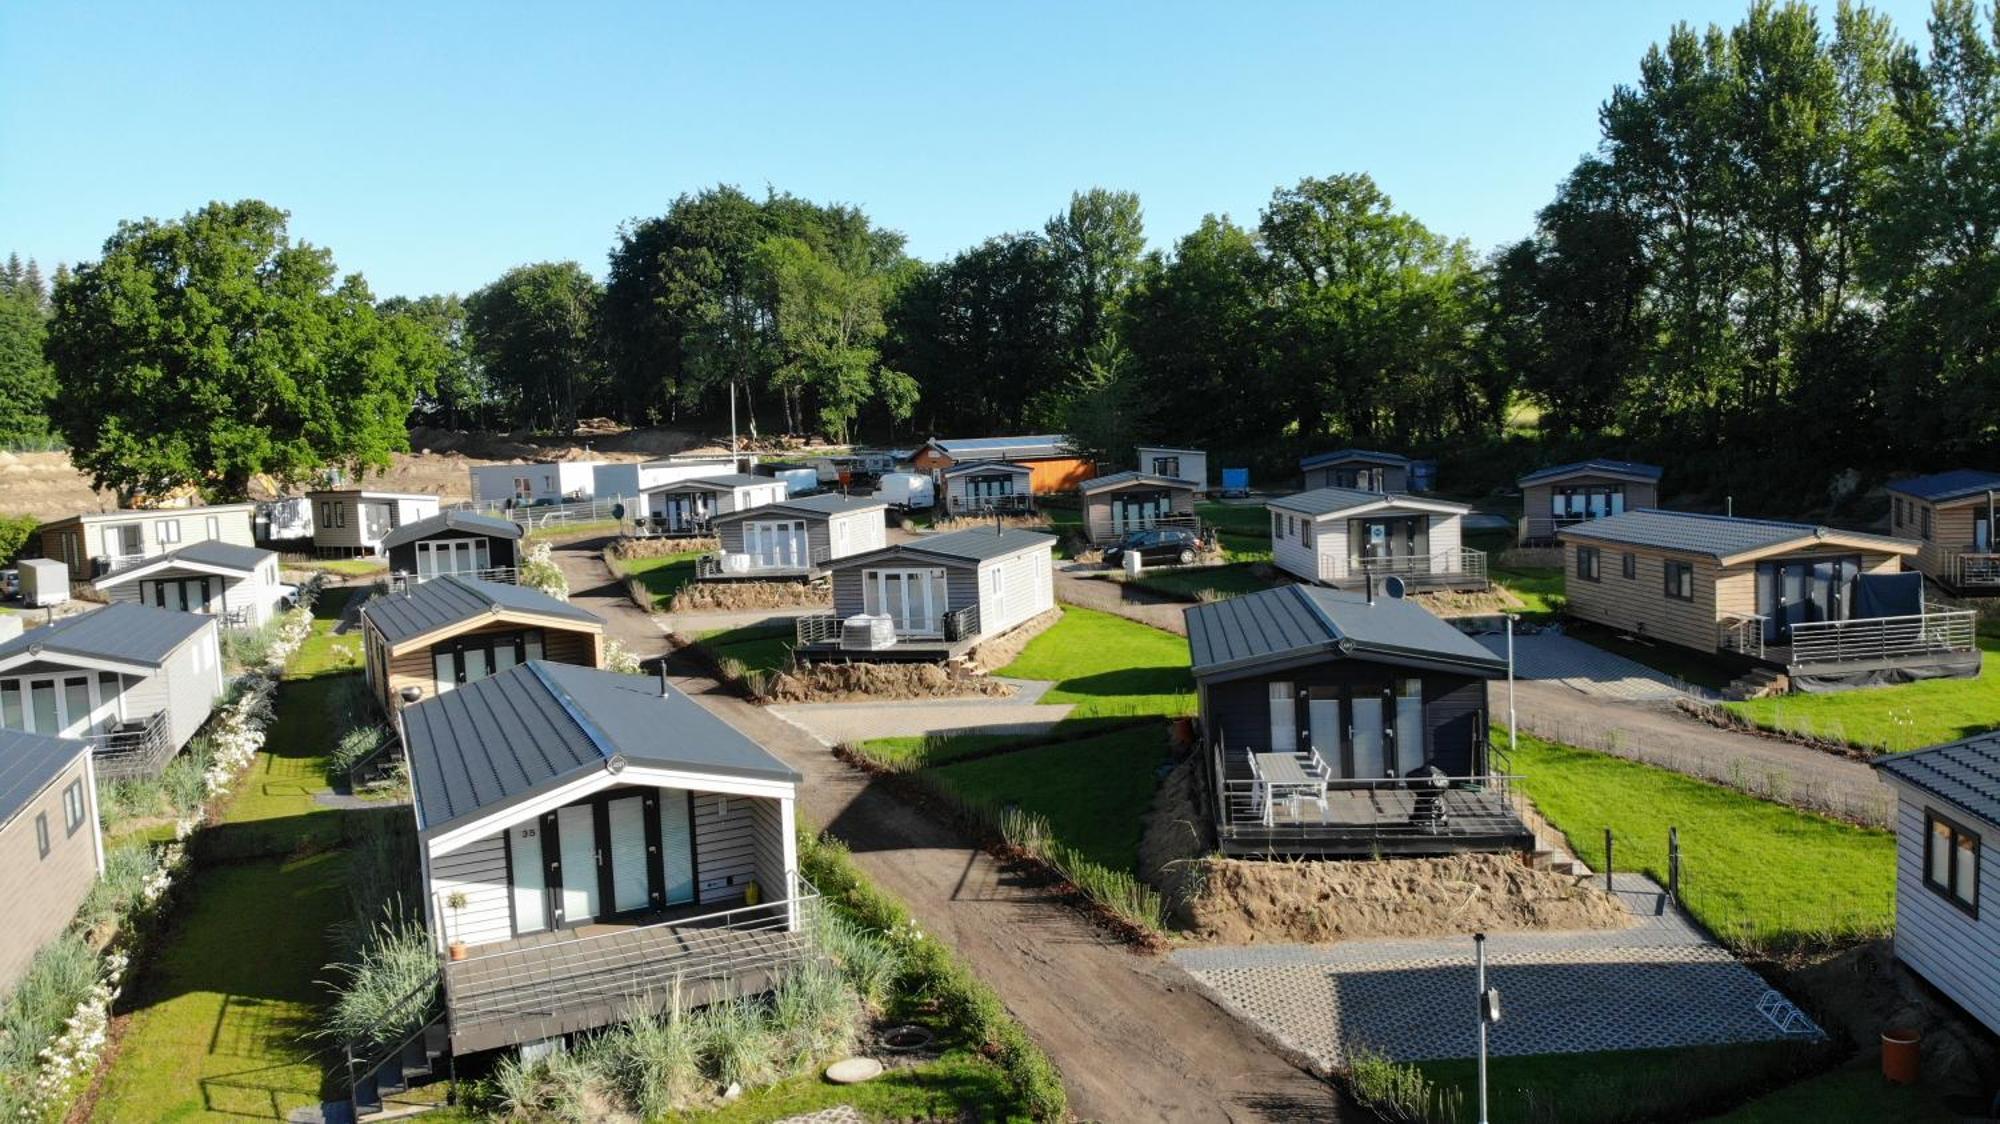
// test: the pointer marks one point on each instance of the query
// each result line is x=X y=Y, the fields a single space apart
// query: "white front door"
x=576 y=831
x=912 y=599
x=531 y=881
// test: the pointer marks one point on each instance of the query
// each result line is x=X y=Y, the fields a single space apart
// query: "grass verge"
x=662 y=576
x=1108 y=667
x=1093 y=793
x=758 y=647
x=1890 y=719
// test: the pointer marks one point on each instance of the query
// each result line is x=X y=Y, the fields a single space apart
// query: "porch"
x=878 y=637
x=1297 y=807
x=136 y=748
x=505 y=575
x=1012 y=503
x=1972 y=571
x=1938 y=642
x=569 y=980
x=726 y=565
x=1457 y=569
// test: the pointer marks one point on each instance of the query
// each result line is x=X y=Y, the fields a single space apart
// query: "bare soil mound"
x=1451 y=603
x=1237 y=901
x=868 y=682
x=708 y=597
x=47 y=486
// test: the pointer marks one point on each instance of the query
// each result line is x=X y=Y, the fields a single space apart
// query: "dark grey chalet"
x=1337 y=725
x=484 y=547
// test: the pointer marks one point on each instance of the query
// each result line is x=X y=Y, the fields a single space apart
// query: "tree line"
x=1779 y=260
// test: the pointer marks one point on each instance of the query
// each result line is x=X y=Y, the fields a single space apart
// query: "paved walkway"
x=1133 y=1036
x=1660 y=983
x=1588 y=668
x=834 y=723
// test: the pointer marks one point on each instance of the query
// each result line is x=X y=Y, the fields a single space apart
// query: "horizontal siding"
x=193 y=681
x=479 y=871
x=417 y=668
x=1028 y=588
x=1097 y=508
x=1641 y=605
x=768 y=835
x=42 y=894
x=725 y=846
x=1291 y=555
x=1958 y=954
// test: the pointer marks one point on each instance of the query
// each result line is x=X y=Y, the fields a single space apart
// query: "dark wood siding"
x=499 y=551
x=1238 y=711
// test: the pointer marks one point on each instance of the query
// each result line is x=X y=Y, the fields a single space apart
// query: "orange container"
x=1900 y=1056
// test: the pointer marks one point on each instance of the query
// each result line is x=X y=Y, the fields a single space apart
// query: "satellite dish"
x=1393 y=588
x=617 y=511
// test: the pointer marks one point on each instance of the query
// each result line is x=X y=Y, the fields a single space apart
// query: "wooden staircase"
x=409 y=1066
x=1756 y=683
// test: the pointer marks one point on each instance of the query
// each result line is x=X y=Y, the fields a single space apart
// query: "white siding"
x=1288 y=553
x=1194 y=465
x=479 y=871
x=191 y=681
x=1958 y=954
x=769 y=840
x=1027 y=588
x=866 y=531
x=553 y=481
x=725 y=846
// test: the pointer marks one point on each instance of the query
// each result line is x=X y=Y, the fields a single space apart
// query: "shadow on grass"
x=1130 y=681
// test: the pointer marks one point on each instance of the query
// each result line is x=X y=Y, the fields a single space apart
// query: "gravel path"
x=834 y=723
x=1133 y=1035
x=1661 y=983
x=1130 y=601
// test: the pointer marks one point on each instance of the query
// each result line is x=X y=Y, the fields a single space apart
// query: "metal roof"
x=489 y=525
x=209 y=552
x=1965 y=773
x=1954 y=485
x=1001 y=448
x=725 y=480
x=455 y=598
x=1168 y=449
x=1718 y=536
x=1595 y=467
x=1339 y=456
x=28 y=762
x=123 y=632
x=1131 y=476
x=147 y=513
x=975 y=544
x=1333 y=501
x=366 y=493
x=1243 y=634
x=823 y=505
x=965 y=467
x=540 y=725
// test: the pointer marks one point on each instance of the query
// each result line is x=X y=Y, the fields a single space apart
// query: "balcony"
x=1974 y=570
x=824 y=635
x=505 y=575
x=726 y=565
x=547 y=984
x=1308 y=811
x=1461 y=568
x=138 y=748
x=1859 y=643
x=972 y=506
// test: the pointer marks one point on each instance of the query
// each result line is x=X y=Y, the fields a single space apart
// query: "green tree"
x=26 y=382
x=1097 y=243
x=827 y=326
x=214 y=348
x=534 y=336
x=460 y=398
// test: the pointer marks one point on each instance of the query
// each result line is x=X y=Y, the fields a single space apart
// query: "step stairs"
x=1756 y=683
x=415 y=1063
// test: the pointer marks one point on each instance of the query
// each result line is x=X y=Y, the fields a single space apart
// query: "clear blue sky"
x=433 y=145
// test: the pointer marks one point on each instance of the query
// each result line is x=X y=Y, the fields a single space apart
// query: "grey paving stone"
x=1588 y=668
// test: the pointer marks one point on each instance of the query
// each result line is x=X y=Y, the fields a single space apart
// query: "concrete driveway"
x=1020 y=713
x=1587 y=668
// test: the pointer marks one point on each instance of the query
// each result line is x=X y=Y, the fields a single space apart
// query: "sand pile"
x=872 y=682
x=1246 y=901
x=1002 y=650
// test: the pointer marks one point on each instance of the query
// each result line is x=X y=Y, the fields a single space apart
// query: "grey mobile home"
x=795 y=538
x=934 y=598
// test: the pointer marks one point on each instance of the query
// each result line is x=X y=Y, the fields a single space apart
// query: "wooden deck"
x=549 y=984
x=1366 y=818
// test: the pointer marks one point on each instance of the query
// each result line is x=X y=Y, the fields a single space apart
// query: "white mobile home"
x=95 y=543
x=238 y=584
x=353 y=521
x=629 y=478
x=1176 y=464
x=794 y=539
x=534 y=482
x=684 y=507
x=1343 y=537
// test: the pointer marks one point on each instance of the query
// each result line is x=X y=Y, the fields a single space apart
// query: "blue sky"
x=434 y=145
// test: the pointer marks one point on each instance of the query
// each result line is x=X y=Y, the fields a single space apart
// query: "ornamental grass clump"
x=372 y=992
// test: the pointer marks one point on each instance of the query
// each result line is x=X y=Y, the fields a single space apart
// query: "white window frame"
x=874 y=597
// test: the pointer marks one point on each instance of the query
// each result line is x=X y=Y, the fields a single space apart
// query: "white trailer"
x=44 y=582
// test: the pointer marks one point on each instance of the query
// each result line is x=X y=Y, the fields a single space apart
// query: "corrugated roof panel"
x=1599 y=466
x=453 y=599
x=1953 y=485
x=468 y=521
x=1718 y=536
x=124 y=631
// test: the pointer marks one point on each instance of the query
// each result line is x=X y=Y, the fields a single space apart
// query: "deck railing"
x=661 y=527
x=1883 y=638
x=1016 y=503
x=505 y=575
x=1973 y=569
x=533 y=516
x=1168 y=522
x=1435 y=805
x=1461 y=564
x=827 y=628
x=740 y=564
x=140 y=748
x=542 y=980
x=1743 y=635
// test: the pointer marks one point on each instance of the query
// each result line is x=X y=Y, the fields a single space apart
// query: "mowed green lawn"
x=1191 y=584
x=1895 y=719
x=1618 y=1086
x=1853 y=1095
x=1093 y=792
x=1243 y=530
x=663 y=576
x=1758 y=874
x=1109 y=666
x=759 y=647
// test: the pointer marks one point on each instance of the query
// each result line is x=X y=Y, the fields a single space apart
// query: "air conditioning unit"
x=736 y=563
x=864 y=633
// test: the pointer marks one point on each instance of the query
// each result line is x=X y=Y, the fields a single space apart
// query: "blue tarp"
x=1235 y=479
x=1888 y=595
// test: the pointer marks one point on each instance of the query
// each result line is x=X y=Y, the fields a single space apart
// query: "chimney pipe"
x=664 y=692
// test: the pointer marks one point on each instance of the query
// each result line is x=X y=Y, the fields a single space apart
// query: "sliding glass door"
x=1798 y=591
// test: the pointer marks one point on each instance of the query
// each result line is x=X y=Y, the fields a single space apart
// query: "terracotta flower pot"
x=456 y=950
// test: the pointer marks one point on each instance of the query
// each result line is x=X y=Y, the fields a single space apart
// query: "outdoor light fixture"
x=411 y=694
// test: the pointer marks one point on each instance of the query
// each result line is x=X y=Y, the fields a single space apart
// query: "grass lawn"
x=218 y=1017
x=1900 y=718
x=1757 y=874
x=1109 y=666
x=1534 y=585
x=1190 y=584
x=935 y=750
x=343 y=567
x=559 y=531
x=961 y=1085
x=1854 y=1095
x=760 y=647
x=1243 y=530
x=1094 y=793
x=663 y=576
x=1618 y=1086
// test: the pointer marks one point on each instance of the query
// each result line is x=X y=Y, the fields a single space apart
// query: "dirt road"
x=1134 y=1037
x=1140 y=605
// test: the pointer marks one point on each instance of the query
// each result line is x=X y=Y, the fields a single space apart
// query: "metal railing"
x=367 y=1056
x=1440 y=806
x=1014 y=503
x=533 y=515
x=740 y=564
x=542 y=980
x=1171 y=521
x=1543 y=528
x=661 y=527
x=1461 y=564
x=402 y=579
x=1743 y=635
x=139 y=748
x=1972 y=568
x=1879 y=638
x=827 y=628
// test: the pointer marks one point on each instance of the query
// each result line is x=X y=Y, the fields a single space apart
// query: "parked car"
x=1155 y=548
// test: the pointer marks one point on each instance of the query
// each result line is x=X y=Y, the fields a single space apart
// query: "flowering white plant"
x=74 y=1052
x=541 y=572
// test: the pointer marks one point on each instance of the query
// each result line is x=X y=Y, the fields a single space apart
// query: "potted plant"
x=454 y=902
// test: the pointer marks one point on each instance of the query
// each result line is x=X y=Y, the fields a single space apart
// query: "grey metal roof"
x=1332 y=501
x=1596 y=466
x=490 y=525
x=975 y=544
x=147 y=513
x=1965 y=773
x=1718 y=536
x=28 y=762
x=443 y=602
x=1122 y=479
x=1340 y=456
x=541 y=725
x=1275 y=626
x=209 y=552
x=1954 y=485
x=123 y=632
x=1168 y=449
x=963 y=468
x=723 y=480
x=823 y=505
x=1000 y=448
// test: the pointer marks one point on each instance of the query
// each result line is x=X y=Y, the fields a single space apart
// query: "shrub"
x=621 y=659
x=814 y=1015
x=867 y=960
x=15 y=531
x=130 y=799
x=129 y=869
x=539 y=571
x=354 y=747
x=184 y=779
x=655 y=1060
x=737 y=1043
x=395 y=959
x=58 y=980
x=1398 y=1092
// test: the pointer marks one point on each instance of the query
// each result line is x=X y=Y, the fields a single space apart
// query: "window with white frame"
x=214 y=527
x=73 y=807
x=167 y=530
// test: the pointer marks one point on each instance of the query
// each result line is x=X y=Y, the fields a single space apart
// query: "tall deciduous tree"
x=26 y=383
x=534 y=334
x=211 y=349
x=1096 y=243
x=460 y=397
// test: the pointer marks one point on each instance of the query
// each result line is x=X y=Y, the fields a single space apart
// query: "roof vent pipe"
x=664 y=691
